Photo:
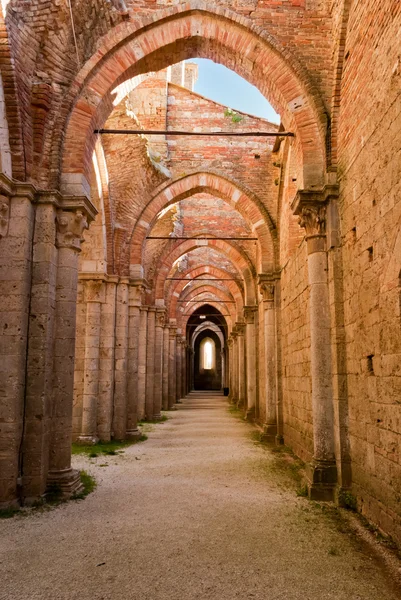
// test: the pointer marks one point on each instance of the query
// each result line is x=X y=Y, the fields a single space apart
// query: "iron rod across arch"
x=198 y=133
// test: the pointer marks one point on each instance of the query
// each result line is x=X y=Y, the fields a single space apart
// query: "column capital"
x=95 y=291
x=173 y=331
x=267 y=285
x=70 y=228
x=4 y=215
x=230 y=341
x=136 y=291
x=144 y=308
x=160 y=317
x=249 y=314
x=240 y=328
x=311 y=207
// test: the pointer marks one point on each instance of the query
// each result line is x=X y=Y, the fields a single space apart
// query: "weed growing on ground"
x=347 y=500
x=89 y=485
x=111 y=448
x=333 y=551
x=9 y=513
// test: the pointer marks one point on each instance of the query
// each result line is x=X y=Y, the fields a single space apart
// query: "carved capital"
x=313 y=219
x=160 y=317
x=4 y=215
x=70 y=228
x=173 y=332
x=95 y=291
x=267 y=290
x=240 y=328
x=249 y=314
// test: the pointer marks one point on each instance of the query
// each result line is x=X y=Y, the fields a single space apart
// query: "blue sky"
x=222 y=85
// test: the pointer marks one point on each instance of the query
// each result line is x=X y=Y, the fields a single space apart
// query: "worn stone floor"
x=197 y=511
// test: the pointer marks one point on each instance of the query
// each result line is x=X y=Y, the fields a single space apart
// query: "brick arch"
x=237 y=196
x=228 y=315
x=177 y=286
x=192 y=29
x=10 y=109
x=204 y=327
x=196 y=291
x=237 y=257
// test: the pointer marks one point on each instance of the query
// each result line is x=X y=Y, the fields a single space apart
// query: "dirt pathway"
x=197 y=511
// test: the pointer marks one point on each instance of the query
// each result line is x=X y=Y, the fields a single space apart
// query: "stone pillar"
x=16 y=235
x=159 y=346
x=70 y=226
x=235 y=366
x=135 y=293
x=250 y=339
x=166 y=345
x=230 y=368
x=34 y=460
x=172 y=368
x=121 y=361
x=183 y=367
x=150 y=363
x=94 y=298
x=267 y=287
x=322 y=472
x=107 y=361
x=240 y=327
x=178 y=373
x=143 y=328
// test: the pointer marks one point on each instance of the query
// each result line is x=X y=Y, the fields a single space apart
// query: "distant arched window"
x=207 y=354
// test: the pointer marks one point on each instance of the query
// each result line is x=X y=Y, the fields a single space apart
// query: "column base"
x=322 y=480
x=178 y=401
x=64 y=483
x=269 y=433
x=157 y=417
x=250 y=414
x=87 y=440
x=240 y=404
x=133 y=434
x=279 y=440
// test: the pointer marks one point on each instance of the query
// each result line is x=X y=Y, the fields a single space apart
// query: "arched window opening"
x=207 y=355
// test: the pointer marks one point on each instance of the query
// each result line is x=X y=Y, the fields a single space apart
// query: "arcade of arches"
x=135 y=268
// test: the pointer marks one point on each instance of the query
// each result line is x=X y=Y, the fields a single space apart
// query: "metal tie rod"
x=210 y=300
x=167 y=237
x=199 y=279
x=195 y=133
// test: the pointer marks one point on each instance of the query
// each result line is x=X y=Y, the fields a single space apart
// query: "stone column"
x=322 y=472
x=172 y=368
x=241 y=364
x=159 y=345
x=235 y=366
x=135 y=294
x=39 y=365
x=107 y=361
x=150 y=363
x=166 y=344
x=16 y=236
x=121 y=361
x=230 y=368
x=94 y=298
x=183 y=367
x=178 y=372
x=267 y=287
x=250 y=338
x=143 y=328
x=70 y=226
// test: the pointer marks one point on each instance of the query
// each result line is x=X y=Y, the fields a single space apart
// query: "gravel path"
x=198 y=511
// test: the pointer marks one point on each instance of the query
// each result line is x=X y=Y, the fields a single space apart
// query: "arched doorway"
x=207 y=361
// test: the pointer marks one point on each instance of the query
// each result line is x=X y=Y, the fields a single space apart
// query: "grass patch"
x=347 y=500
x=9 y=513
x=112 y=448
x=154 y=421
x=89 y=485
